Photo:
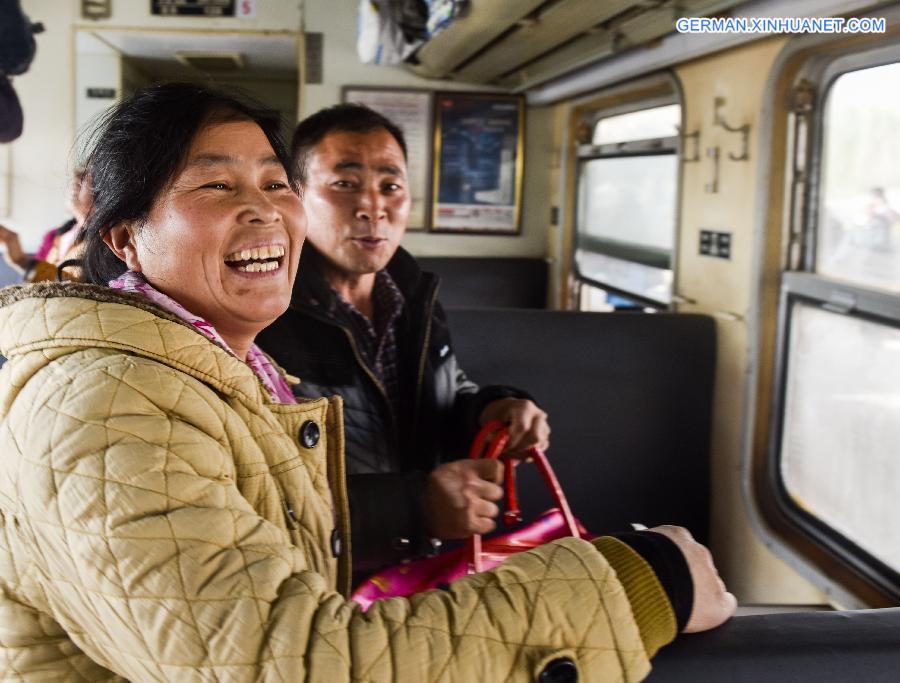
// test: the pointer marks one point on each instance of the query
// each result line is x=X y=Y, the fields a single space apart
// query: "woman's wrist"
x=650 y=604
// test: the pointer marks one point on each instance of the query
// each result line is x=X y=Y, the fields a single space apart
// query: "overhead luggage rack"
x=521 y=44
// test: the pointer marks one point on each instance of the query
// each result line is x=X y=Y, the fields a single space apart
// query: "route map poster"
x=479 y=142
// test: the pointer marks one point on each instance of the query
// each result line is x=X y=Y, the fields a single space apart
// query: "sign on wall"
x=202 y=8
x=246 y=9
x=96 y=9
x=101 y=93
x=479 y=146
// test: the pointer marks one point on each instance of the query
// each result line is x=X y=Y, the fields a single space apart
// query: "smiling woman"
x=168 y=510
x=218 y=229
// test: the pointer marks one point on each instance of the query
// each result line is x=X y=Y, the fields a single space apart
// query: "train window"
x=656 y=122
x=627 y=199
x=860 y=207
x=842 y=426
x=834 y=465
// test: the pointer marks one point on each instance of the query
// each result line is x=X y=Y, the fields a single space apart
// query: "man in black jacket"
x=365 y=323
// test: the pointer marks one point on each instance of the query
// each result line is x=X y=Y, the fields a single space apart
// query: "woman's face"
x=224 y=238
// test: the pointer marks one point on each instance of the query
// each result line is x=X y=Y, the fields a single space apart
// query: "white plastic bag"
x=380 y=38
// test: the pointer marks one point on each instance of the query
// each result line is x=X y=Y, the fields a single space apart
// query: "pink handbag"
x=480 y=554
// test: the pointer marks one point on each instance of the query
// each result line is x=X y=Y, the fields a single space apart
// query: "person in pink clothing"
x=59 y=244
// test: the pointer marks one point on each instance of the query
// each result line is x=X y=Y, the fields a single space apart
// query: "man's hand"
x=713 y=604
x=459 y=498
x=528 y=426
x=12 y=248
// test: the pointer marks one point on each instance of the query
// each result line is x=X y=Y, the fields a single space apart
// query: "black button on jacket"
x=562 y=670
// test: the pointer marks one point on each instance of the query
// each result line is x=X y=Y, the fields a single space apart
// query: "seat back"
x=495 y=282
x=629 y=398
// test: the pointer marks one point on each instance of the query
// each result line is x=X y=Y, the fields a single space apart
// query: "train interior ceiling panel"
x=676 y=222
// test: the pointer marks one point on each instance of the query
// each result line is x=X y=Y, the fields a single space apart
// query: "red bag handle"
x=489 y=444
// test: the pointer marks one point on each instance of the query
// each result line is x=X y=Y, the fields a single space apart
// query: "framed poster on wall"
x=411 y=110
x=478 y=162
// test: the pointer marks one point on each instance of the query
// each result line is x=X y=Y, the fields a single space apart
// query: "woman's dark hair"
x=140 y=146
x=350 y=118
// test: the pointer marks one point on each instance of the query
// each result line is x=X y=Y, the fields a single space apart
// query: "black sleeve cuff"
x=670 y=567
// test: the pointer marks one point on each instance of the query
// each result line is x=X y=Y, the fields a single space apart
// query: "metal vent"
x=207 y=62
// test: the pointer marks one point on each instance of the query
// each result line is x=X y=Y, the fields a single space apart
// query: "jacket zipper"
x=359 y=359
x=420 y=380
x=372 y=376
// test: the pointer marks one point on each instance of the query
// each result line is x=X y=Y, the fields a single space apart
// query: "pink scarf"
x=271 y=379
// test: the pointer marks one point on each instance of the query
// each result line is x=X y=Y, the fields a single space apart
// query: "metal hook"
x=713 y=187
x=719 y=120
x=684 y=137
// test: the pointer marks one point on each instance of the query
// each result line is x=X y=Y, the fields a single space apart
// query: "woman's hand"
x=12 y=249
x=713 y=604
x=528 y=426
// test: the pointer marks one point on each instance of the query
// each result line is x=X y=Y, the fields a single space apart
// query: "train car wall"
x=722 y=288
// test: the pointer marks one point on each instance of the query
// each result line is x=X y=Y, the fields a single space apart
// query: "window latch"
x=840 y=302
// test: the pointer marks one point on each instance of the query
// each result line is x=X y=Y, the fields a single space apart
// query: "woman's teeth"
x=259 y=267
x=256 y=254
x=256 y=260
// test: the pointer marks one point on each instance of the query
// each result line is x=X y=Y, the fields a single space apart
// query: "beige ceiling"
x=263 y=57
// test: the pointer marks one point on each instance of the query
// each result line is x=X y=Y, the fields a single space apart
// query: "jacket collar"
x=312 y=291
x=79 y=316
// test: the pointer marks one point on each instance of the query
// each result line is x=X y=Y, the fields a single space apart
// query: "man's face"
x=357 y=200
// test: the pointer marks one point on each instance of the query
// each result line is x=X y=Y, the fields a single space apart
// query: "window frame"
x=625 y=251
x=845 y=64
x=837 y=556
x=842 y=299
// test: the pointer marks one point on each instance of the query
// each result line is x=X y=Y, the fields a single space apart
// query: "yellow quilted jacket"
x=163 y=521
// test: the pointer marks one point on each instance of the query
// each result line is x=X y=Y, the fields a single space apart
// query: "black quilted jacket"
x=387 y=457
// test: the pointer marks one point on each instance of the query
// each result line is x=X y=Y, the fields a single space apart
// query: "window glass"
x=629 y=199
x=626 y=204
x=642 y=280
x=658 y=122
x=594 y=299
x=841 y=438
x=859 y=217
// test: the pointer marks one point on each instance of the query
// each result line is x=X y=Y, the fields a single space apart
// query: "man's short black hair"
x=350 y=118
